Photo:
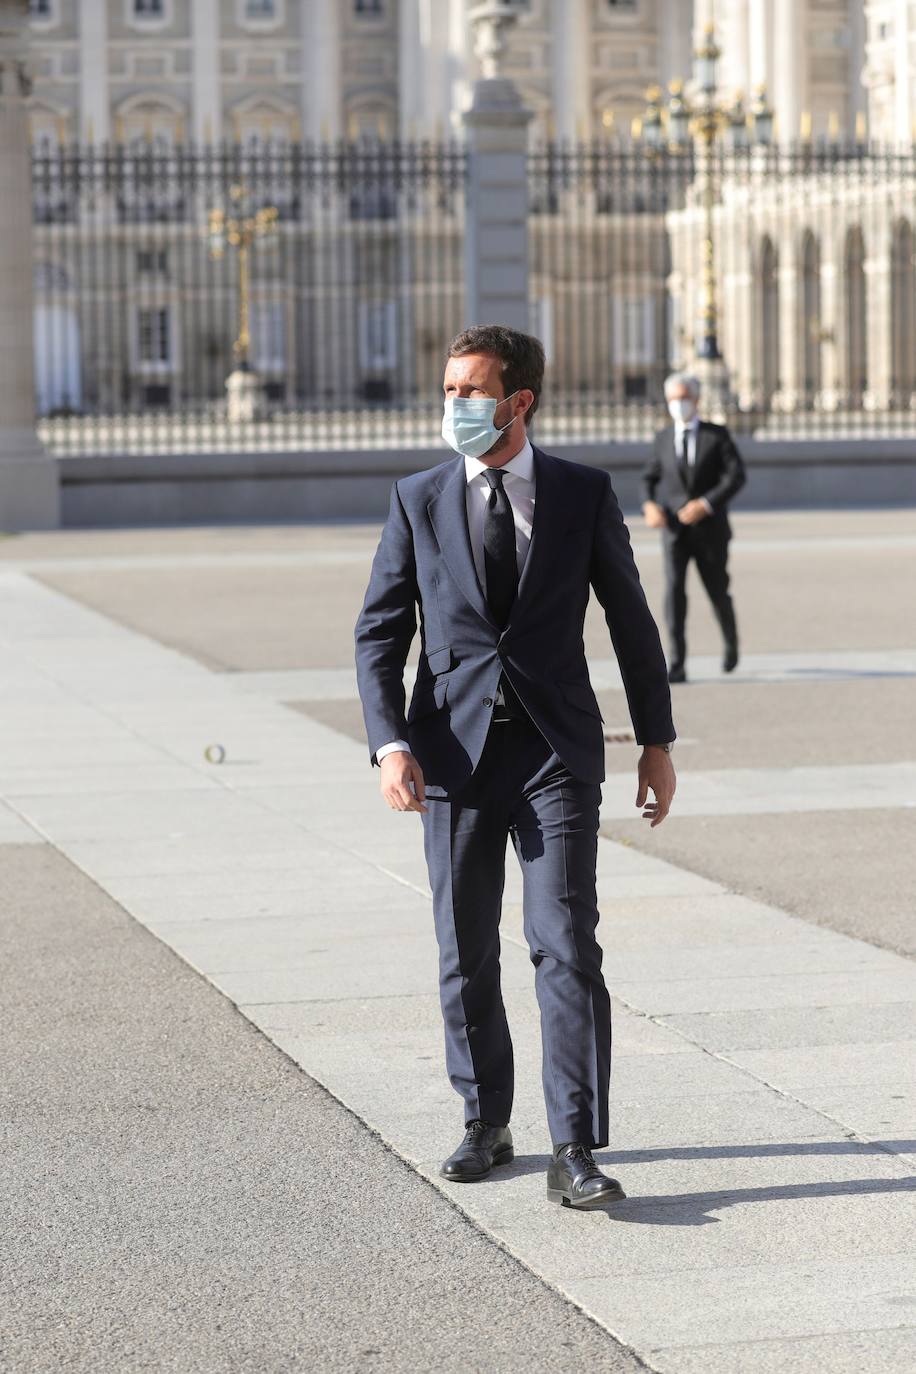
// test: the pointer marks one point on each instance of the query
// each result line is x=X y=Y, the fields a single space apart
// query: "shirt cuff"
x=390 y=749
x=709 y=509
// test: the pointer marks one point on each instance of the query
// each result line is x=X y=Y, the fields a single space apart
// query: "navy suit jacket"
x=424 y=561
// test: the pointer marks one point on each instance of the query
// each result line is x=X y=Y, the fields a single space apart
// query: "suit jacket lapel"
x=448 y=513
x=553 y=513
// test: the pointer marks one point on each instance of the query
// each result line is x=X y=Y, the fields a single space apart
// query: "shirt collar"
x=522 y=465
x=693 y=426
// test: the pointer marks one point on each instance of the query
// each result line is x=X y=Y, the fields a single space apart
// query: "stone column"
x=412 y=68
x=760 y=45
x=571 y=69
x=878 y=290
x=496 y=233
x=675 y=42
x=903 y=109
x=28 y=477
x=95 y=105
x=788 y=84
x=321 y=112
x=445 y=52
x=207 y=114
x=791 y=325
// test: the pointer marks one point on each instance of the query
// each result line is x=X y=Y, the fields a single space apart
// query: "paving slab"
x=742 y=1153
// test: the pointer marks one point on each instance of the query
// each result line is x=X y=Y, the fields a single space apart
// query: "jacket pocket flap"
x=581 y=695
x=439 y=660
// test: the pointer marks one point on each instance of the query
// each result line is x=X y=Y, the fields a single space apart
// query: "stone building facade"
x=255 y=69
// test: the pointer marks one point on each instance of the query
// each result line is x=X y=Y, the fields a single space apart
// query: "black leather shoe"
x=484 y=1148
x=574 y=1179
x=677 y=674
x=730 y=661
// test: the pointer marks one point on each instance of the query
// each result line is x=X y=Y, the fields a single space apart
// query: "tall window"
x=856 y=316
x=149 y=9
x=622 y=6
x=369 y=6
x=903 y=313
x=42 y=10
x=769 y=319
x=260 y=9
x=153 y=343
x=811 y=322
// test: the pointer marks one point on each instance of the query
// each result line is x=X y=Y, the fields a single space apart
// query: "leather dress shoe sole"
x=590 y=1201
x=501 y=1156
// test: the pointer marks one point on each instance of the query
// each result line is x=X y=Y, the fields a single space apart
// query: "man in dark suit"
x=498 y=547
x=694 y=472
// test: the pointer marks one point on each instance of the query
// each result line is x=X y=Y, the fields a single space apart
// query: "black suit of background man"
x=715 y=475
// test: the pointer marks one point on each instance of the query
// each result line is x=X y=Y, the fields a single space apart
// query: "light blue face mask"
x=467 y=424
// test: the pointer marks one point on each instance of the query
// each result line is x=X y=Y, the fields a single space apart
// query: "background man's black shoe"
x=484 y=1148
x=677 y=674
x=574 y=1179
x=730 y=661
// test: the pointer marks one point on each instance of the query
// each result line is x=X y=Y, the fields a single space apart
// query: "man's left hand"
x=692 y=512
x=656 y=772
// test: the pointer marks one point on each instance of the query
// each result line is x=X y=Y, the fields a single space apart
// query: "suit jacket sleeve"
x=634 y=633
x=733 y=476
x=652 y=472
x=385 y=628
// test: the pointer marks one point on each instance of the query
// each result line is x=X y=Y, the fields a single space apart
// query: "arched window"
x=811 y=322
x=856 y=317
x=903 y=315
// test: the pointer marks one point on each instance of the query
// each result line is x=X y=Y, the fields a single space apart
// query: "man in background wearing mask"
x=694 y=472
x=499 y=547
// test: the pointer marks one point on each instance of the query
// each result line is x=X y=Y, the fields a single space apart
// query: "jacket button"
x=488 y=701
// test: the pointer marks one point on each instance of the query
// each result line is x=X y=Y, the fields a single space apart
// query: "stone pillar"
x=832 y=381
x=675 y=42
x=496 y=234
x=571 y=70
x=760 y=44
x=207 y=114
x=445 y=52
x=903 y=109
x=28 y=477
x=878 y=290
x=321 y=48
x=412 y=68
x=95 y=105
x=789 y=86
x=791 y=325
x=856 y=93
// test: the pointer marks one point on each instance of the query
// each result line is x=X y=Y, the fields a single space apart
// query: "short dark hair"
x=521 y=355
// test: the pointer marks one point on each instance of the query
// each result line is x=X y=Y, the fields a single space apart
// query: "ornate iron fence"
x=812 y=249
x=332 y=273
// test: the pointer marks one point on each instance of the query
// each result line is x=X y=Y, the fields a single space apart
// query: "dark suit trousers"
x=522 y=789
x=709 y=549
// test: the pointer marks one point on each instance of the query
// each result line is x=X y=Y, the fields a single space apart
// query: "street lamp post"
x=238 y=228
x=704 y=124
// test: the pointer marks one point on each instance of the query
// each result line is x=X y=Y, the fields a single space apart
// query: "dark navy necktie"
x=500 y=563
x=685 y=458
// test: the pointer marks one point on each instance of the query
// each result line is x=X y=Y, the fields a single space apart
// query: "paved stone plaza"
x=225 y=1095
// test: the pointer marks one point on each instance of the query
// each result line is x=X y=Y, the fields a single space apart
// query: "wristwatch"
x=668 y=746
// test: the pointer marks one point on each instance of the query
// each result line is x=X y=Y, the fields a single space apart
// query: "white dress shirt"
x=519 y=486
x=692 y=429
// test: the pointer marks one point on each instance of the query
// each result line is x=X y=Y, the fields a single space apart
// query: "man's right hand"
x=399 y=769
x=655 y=515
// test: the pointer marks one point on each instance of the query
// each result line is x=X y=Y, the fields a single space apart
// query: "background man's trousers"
x=709 y=549
x=522 y=788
